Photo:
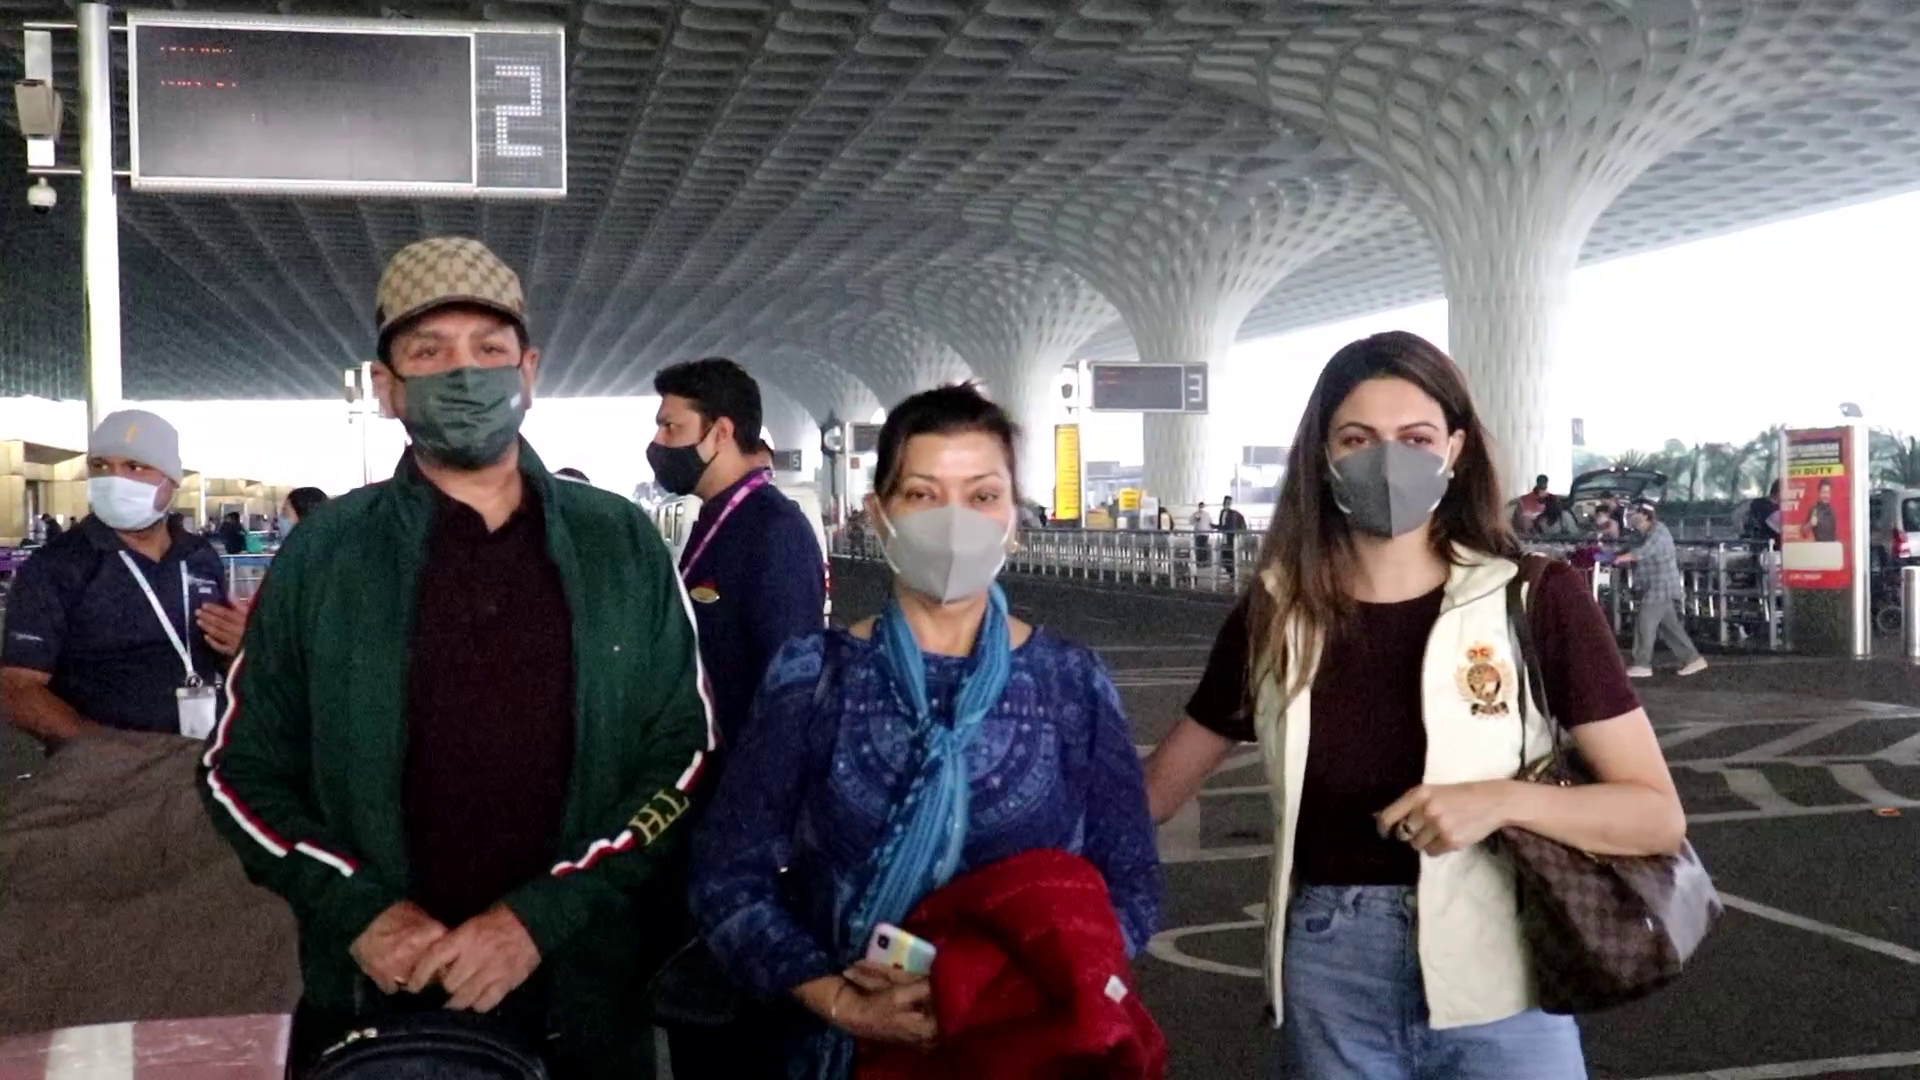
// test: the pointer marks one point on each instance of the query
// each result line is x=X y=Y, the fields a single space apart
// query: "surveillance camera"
x=42 y=197
x=39 y=109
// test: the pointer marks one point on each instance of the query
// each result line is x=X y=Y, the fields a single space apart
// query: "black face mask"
x=679 y=468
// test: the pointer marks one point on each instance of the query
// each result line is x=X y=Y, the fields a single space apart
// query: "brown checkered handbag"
x=1604 y=930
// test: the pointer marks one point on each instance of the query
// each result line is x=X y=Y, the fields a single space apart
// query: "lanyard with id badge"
x=195 y=698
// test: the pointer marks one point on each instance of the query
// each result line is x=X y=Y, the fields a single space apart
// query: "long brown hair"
x=1308 y=551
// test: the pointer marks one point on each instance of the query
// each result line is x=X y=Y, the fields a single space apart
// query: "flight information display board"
x=356 y=107
x=1149 y=387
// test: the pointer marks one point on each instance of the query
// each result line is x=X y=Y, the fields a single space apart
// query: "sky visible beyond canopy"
x=1708 y=342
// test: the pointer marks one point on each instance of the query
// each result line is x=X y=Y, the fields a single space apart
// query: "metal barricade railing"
x=244 y=574
x=1733 y=594
x=1180 y=560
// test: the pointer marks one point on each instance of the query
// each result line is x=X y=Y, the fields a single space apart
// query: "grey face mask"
x=948 y=553
x=1390 y=489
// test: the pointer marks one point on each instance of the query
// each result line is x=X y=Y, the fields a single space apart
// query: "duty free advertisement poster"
x=1816 y=510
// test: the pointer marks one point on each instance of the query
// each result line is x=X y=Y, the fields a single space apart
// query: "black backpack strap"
x=1520 y=593
x=824 y=687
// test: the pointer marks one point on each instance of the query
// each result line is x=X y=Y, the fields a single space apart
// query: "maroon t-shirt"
x=490 y=717
x=1369 y=743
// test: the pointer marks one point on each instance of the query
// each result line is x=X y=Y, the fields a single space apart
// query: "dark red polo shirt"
x=490 y=712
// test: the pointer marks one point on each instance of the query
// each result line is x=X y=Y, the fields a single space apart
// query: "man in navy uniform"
x=122 y=621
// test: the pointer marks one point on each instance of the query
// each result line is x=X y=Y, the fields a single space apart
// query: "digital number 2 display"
x=504 y=115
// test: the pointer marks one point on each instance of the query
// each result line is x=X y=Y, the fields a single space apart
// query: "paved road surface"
x=1815 y=972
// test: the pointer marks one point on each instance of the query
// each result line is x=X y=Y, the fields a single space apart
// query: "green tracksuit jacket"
x=303 y=773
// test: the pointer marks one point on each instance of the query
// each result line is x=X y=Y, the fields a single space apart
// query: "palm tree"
x=1736 y=468
x=1686 y=468
x=1764 y=449
x=1893 y=459
x=1721 y=470
x=1633 y=459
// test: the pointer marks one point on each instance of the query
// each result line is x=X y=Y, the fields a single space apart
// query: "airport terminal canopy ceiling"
x=837 y=185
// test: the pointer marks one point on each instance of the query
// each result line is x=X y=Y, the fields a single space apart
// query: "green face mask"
x=466 y=418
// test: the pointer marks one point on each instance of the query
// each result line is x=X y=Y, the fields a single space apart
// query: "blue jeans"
x=1356 y=1009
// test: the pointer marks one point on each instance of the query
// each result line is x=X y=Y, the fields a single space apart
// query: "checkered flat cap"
x=447 y=270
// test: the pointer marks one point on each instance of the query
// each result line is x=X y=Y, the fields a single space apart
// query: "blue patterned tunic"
x=820 y=764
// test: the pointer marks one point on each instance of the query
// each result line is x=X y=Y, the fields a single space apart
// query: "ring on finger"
x=1405 y=830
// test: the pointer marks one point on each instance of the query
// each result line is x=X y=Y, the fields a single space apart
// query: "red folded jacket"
x=1031 y=981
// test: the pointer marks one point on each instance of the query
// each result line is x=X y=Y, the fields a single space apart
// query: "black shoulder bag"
x=438 y=1045
x=691 y=990
x=1604 y=930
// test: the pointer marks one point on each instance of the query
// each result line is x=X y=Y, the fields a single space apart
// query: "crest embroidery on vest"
x=1483 y=681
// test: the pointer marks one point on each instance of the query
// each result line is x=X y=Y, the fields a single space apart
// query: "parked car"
x=1617 y=486
x=1894 y=526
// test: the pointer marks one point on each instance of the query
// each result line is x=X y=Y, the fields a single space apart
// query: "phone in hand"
x=895 y=948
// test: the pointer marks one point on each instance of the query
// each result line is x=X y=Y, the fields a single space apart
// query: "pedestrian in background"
x=1657 y=580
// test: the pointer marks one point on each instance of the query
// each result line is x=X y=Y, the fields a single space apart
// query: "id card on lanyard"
x=759 y=480
x=194 y=699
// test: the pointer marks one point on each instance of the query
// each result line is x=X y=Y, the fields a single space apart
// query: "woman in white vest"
x=1371 y=660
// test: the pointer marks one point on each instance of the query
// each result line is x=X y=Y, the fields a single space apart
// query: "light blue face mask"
x=285 y=524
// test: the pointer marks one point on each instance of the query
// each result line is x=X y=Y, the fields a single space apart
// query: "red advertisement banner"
x=1817 y=515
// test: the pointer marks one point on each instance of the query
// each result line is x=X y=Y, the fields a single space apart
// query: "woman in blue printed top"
x=882 y=761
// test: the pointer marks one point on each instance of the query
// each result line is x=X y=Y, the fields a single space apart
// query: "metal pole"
x=367 y=412
x=1860 y=540
x=99 y=214
x=1910 y=607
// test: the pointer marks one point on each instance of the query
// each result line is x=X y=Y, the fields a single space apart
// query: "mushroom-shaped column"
x=893 y=356
x=896 y=358
x=822 y=388
x=1185 y=258
x=1508 y=132
x=788 y=423
x=1016 y=324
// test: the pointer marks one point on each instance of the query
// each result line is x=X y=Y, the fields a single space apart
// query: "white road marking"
x=1170 y=647
x=1794 y=740
x=1219 y=854
x=1715 y=816
x=99 y=1052
x=1753 y=786
x=1241 y=760
x=1860 y=780
x=1686 y=733
x=1815 y=926
x=1180 y=836
x=1906 y=751
x=1261 y=851
x=1788 y=1070
x=1165 y=945
x=1245 y=789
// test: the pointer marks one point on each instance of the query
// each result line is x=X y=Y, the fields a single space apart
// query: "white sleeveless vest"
x=1472 y=957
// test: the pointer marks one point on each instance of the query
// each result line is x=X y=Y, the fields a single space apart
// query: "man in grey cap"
x=470 y=712
x=122 y=621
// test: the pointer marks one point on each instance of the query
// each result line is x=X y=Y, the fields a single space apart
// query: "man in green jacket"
x=467 y=716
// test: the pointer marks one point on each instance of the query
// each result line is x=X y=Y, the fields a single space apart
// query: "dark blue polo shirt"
x=760 y=582
x=76 y=613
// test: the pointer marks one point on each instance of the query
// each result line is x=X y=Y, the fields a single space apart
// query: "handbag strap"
x=1532 y=568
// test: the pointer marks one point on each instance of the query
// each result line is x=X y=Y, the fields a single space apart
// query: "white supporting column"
x=1508 y=171
x=1187 y=456
x=1184 y=259
x=99 y=213
x=1033 y=401
x=1015 y=325
x=789 y=424
x=1504 y=308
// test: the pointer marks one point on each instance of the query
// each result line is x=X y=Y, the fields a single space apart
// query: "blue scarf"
x=927 y=829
